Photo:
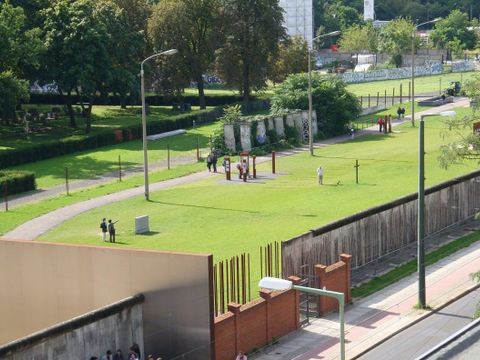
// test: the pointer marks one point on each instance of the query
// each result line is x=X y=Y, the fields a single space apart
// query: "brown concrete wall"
x=44 y=284
x=255 y=324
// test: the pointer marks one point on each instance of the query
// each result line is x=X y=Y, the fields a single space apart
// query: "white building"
x=368 y=10
x=298 y=18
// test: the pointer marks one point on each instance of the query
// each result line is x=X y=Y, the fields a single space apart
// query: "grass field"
x=227 y=218
x=100 y=161
x=103 y=118
x=423 y=84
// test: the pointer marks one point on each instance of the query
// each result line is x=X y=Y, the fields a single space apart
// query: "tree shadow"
x=205 y=207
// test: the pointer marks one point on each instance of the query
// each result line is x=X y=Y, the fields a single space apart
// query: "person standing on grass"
x=111 y=230
x=320 y=175
x=103 y=226
x=380 y=124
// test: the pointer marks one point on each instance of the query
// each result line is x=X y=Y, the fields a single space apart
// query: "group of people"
x=401 y=112
x=243 y=169
x=385 y=123
x=110 y=228
x=133 y=354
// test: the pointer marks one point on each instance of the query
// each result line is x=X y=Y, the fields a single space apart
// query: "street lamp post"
x=310 y=110
x=421 y=208
x=281 y=284
x=413 y=65
x=144 y=118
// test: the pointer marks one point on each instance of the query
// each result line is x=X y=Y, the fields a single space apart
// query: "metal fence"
x=379 y=231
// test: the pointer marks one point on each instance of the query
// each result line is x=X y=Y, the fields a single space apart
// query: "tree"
x=396 y=39
x=292 y=58
x=466 y=145
x=19 y=50
x=454 y=33
x=253 y=30
x=86 y=49
x=191 y=27
x=336 y=15
x=335 y=106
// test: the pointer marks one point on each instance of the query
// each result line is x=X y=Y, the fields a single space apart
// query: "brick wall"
x=253 y=325
x=335 y=277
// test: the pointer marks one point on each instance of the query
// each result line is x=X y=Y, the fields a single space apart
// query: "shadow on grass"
x=205 y=207
x=149 y=233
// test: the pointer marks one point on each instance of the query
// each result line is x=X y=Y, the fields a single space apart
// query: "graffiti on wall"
x=391 y=74
x=463 y=66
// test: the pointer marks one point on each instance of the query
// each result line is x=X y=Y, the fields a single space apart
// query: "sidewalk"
x=381 y=315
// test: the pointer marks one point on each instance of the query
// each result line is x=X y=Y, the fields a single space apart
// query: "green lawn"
x=227 y=218
x=88 y=164
x=103 y=118
x=423 y=84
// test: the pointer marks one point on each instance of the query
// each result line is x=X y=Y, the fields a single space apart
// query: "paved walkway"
x=38 y=226
x=381 y=315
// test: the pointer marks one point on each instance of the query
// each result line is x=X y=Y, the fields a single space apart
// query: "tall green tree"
x=454 y=33
x=253 y=29
x=396 y=39
x=193 y=28
x=359 y=38
x=19 y=50
x=88 y=47
x=292 y=58
x=466 y=144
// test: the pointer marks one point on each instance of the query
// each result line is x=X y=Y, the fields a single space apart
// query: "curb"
x=422 y=317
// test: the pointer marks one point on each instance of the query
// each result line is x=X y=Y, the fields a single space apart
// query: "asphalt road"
x=424 y=335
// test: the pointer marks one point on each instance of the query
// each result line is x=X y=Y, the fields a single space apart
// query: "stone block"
x=229 y=135
x=245 y=135
x=279 y=126
x=142 y=225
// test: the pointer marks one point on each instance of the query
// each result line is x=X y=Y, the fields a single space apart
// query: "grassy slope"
x=229 y=218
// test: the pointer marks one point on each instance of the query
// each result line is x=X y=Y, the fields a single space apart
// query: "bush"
x=334 y=105
x=88 y=142
x=17 y=181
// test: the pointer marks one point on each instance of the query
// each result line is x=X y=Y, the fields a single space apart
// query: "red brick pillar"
x=296 y=280
x=348 y=272
x=235 y=310
x=267 y=296
x=321 y=272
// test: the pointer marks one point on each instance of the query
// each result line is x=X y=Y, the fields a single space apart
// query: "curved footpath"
x=38 y=226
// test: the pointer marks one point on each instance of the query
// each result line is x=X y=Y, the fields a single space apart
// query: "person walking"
x=209 y=162
x=111 y=230
x=103 y=226
x=320 y=175
x=214 y=160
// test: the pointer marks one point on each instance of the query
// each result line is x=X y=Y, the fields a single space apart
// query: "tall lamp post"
x=144 y=117
x=310 y=122
x=421 y=208
x=413 y=64
x=281 y=284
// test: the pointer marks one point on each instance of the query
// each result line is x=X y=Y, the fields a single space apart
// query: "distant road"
x=424 y=335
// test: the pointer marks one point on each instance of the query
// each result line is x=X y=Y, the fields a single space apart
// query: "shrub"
x=17 y=181
x=333 y=103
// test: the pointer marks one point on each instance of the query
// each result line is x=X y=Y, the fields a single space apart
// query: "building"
x=298 y=18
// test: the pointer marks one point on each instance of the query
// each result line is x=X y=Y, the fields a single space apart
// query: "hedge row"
x=15 y=181
x=157 y=100
x=87 y=142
